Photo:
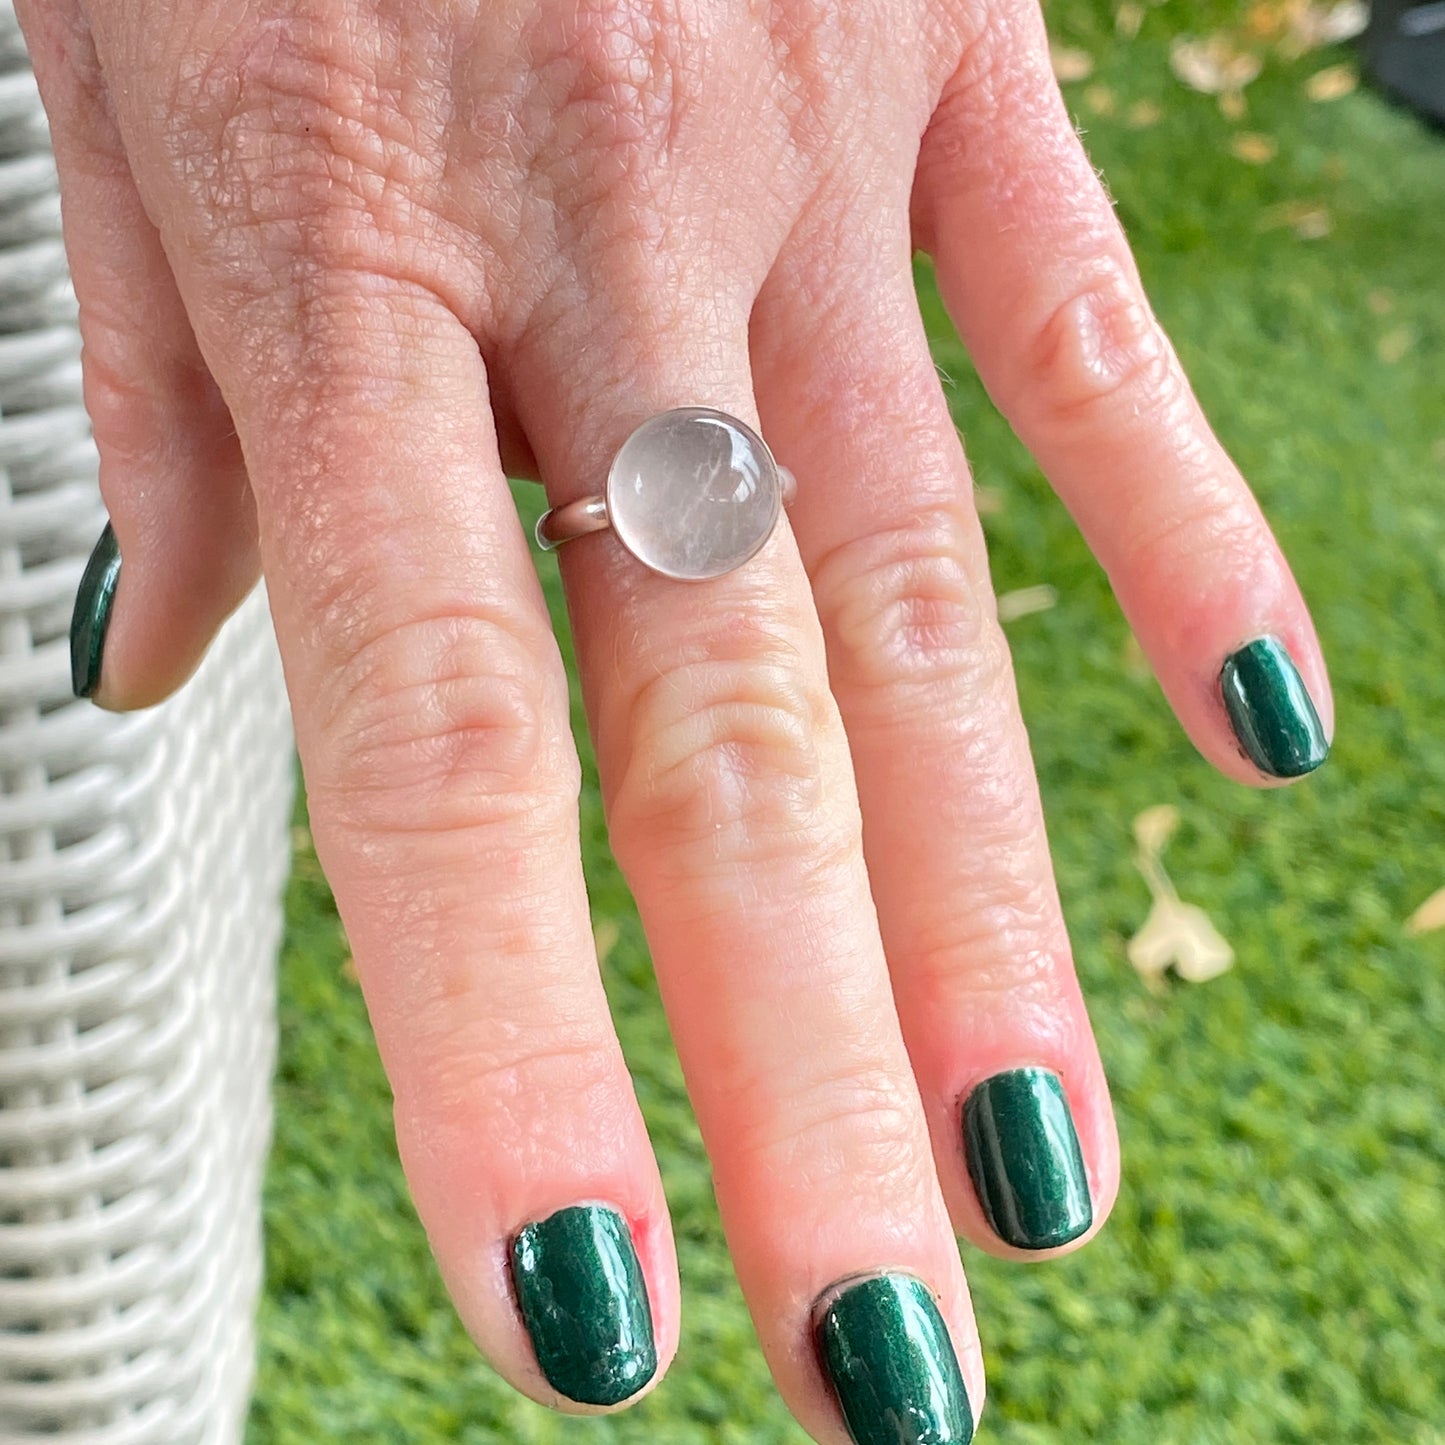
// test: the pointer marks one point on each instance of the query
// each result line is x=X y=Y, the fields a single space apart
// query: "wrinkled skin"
x=343 y=262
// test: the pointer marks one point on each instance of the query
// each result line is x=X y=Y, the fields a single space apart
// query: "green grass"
x=1275 y=1268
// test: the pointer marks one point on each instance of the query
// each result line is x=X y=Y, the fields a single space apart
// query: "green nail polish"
x=91 y=617
x=1024 y=1158
x=1271 y=711
x=889 y=1358
x=584 y=1302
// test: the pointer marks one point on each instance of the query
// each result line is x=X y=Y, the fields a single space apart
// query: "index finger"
x=431 y=715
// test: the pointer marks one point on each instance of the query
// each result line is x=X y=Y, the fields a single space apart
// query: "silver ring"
x=693 y=493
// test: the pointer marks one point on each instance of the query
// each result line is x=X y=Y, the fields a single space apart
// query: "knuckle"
x=994 y=72
x=862 y=1122
x=445 y=722
x=619 y=78
x=1164 y=546
x=140 y=405
x=473 y=1061
x=302 y=139
x=1005 y=947
x=726 y=754
x=902 y=610
x=1100 y=349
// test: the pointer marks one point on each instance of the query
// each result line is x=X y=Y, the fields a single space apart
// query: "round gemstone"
x=693 y=493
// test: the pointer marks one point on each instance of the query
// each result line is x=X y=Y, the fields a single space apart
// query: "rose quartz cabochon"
x=693 y=493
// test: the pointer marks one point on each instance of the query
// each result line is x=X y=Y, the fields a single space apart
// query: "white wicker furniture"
x=141 y=864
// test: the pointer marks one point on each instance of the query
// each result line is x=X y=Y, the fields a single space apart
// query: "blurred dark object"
x=1404 y=47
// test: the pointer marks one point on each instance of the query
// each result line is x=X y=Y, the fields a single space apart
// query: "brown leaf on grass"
x=1309 y=220
x=1310 y=26
x=1144 y=113
x=1025 y=600
x=1070 y=63
x=1429 y=916
x=1132 y=659
x=1154 y=827
x=1180 y=935
x=1253 y=148
x=605 y=934
x=1232 y=105
x=1100 y=99
x=1395 y=345
x=1215 y=65
x=1331 y=83
x=1128 y=18
x=1266 y=20
x=1176 y=934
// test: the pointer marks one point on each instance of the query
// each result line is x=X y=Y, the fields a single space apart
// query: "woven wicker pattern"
x=141 y=864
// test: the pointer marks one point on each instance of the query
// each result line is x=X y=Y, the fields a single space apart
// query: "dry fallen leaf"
x=1429 y=916
x=1176 y=934
x=1232 y=105
x=1070 y=63
x=1332 y=82
x=1024 y=600
x=1132 y=659
x=1253 y=148
x=1309 y=220
x=1394 y=345
x=605 y=934
x=1266 y=20
x=1180 y=935
x=1144 y=113
x=1100 y=99
x=1311 y=26
x=1154 y=827
x=1215 y=66
x=1128 y=18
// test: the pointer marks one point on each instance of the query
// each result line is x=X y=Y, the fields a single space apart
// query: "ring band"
x=693 y=493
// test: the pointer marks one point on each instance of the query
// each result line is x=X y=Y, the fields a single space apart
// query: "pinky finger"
x=1036 y=273
x=171 y=469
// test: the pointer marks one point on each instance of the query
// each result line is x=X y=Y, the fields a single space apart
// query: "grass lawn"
x=1275 y=1268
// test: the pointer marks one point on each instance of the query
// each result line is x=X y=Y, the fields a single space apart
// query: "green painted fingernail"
x=1024 y=1158
x=584 y=1302
x=889 y=1358
x=1271 y=710
x=91 y=618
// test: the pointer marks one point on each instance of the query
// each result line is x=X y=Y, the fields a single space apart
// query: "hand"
x=343 y=265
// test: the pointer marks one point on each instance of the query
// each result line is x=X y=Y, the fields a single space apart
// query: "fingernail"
x=91 y=618
x=887 y=1353
x=584 y=1302
x=1271 y=710
x=1024 y=1158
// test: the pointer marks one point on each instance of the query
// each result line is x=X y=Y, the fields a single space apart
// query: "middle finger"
x=733 y=813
